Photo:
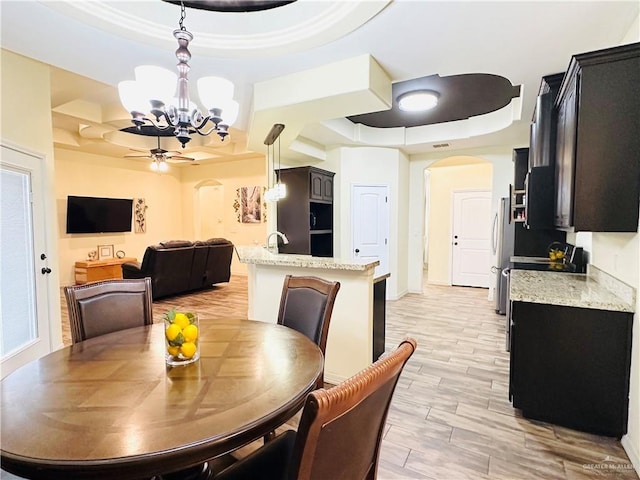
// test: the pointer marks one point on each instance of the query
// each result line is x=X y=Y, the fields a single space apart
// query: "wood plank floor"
x=450 y=417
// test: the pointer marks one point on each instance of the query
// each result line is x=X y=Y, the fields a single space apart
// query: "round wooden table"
x=108 y=407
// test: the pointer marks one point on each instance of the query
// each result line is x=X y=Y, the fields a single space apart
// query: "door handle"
x=357 y=250
x=45 y=270
x=494 y=235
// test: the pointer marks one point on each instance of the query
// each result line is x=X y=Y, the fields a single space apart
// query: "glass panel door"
x=24 y=322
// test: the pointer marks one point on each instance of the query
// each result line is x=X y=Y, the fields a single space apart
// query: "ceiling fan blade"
x=180 y=159
x=132 y=155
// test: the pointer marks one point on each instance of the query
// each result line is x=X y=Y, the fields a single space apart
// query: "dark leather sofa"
x=180 y=266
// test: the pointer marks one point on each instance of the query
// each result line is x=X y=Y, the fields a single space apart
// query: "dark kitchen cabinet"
x=532 y=204
x=321 y=185
x=305 y=215
x=543 y=127
x=565 y=157
x=598 y=144
x=570 y=366
x=520 y=162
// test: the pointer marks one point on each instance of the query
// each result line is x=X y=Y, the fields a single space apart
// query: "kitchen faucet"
x=284 y=238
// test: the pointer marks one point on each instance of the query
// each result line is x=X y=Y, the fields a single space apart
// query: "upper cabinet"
x=597 y=150
x=321 y=185
x=543 y=129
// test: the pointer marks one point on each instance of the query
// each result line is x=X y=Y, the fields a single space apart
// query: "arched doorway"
x=208 y=213
x=442 y=179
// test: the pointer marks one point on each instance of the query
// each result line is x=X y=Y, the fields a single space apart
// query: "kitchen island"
x=571 y=349
x=355 y=332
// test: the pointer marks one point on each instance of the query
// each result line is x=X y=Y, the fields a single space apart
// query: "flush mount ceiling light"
x=418 y=101
x=156 y=87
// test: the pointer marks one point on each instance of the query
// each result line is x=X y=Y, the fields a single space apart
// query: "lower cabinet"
x=570 y=366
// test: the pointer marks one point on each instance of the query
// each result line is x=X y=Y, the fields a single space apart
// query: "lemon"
x=190 y=333
x=173 y=331
x=188 y=349
x=173 y=351
x=181 y=320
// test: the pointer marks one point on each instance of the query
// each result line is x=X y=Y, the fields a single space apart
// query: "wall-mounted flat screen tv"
x=98 y=215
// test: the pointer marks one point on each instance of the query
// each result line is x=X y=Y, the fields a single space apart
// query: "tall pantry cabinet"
x=305 y=215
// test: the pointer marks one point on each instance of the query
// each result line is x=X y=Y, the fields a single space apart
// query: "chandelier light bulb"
x=157 y=83
x=230 y=110
x=132 y=97
x=214 y=91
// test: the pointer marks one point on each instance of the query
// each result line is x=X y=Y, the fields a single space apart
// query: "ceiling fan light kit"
x=160 y=157
x=159 y=165
x=418 y=101
x=156 y=87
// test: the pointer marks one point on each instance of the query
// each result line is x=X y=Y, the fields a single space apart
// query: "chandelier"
x=151 y=97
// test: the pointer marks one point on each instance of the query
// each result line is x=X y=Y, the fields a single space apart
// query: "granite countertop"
x=261 y=256
x=595 y=290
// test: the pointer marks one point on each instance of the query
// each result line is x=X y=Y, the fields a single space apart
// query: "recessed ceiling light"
x=418 y=101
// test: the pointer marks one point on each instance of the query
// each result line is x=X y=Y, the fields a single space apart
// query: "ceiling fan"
x=160 y=157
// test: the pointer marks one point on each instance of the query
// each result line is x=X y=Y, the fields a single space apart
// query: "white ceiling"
x=101 y=42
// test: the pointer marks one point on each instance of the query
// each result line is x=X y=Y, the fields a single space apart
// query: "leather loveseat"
x=180 y=266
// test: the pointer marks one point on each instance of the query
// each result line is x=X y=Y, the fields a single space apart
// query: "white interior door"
x=211 y=200
x=370 y=225
x=471 y=239
x=24 y=319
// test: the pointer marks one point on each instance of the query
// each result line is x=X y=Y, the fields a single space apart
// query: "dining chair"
x=103 y=307
x=306 y=305
x=339 y=433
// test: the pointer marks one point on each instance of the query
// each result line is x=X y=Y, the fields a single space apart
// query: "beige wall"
x=373 y=166
x=25 y=95
x=444 y=181
x=98 y=176
x=171 y=198
x=230 y=176
x=501 y=159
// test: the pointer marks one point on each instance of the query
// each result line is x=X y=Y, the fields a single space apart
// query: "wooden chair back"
x=306 y=306
x=341 y=428
x=103 y=307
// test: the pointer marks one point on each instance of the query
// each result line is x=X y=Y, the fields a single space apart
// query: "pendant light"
x=279 y=190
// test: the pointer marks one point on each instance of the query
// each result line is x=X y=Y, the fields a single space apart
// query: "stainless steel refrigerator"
x=505 y=234
x=516 y=239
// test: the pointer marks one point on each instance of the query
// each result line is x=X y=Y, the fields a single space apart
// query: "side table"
x=94 y=270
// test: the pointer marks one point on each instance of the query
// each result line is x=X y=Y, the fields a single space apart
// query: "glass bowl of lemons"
x=181 y=332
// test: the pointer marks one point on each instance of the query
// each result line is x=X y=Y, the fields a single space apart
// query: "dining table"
x=110 y=408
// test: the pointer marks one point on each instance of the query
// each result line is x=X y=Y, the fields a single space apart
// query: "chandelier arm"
x=199 y=126
x=208 y=132
x=158 y=125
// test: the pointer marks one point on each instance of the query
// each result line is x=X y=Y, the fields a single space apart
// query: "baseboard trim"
x=632 y=453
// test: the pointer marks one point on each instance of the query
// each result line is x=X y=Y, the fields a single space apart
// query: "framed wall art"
x=248 y=204
x=105 y=252
x=140 y=215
